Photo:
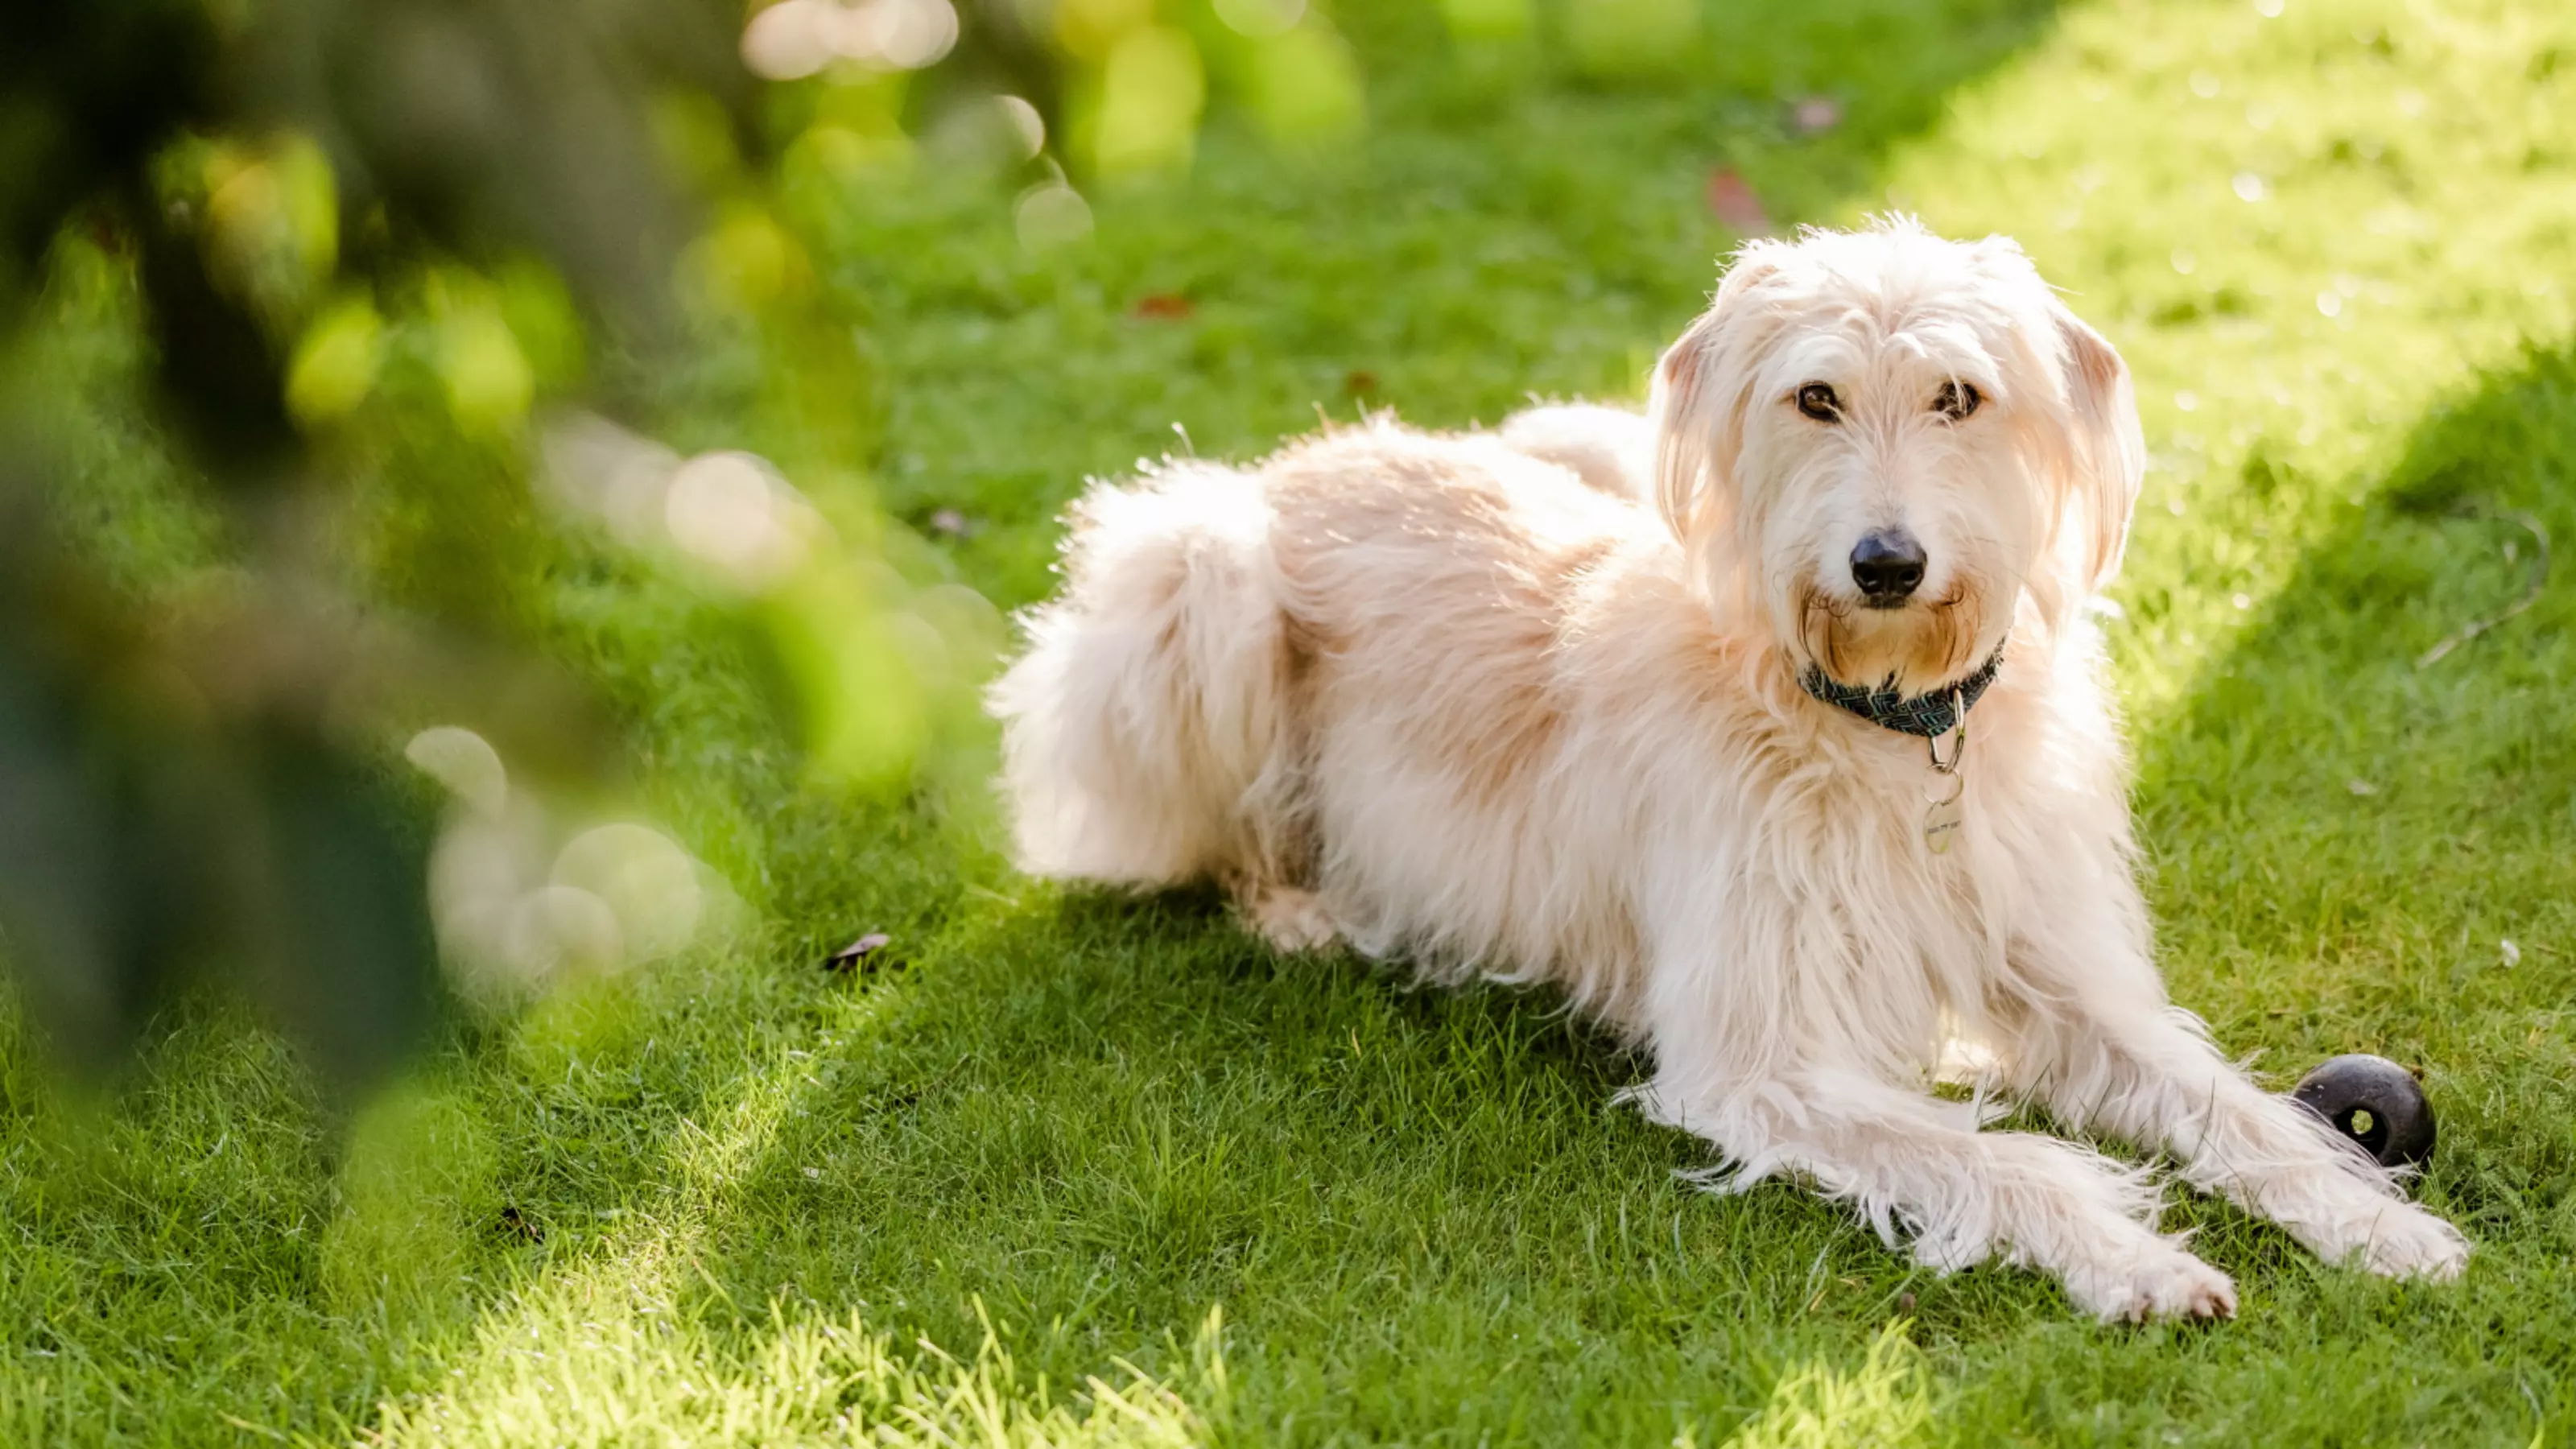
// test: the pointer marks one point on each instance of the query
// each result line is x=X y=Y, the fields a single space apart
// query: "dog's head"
x=1881 y=443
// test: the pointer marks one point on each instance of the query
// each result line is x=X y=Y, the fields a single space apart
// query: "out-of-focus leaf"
x=348 y=960
x=863 y=713
x=1633 y=37
x=1146 y=112
x=218 y=369
x=87 y=92
x=1305 y=85
x=1488 y=20
x=61 y=926
x=335 y=362
x=483 y=121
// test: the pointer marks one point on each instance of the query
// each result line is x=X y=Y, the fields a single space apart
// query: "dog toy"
x=2373 y=1102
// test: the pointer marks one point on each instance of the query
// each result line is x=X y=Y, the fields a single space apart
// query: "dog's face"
x=1880 y=444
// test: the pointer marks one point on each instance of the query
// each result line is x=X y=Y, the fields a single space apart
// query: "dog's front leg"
x=2113 y=1055
x=1910 y=1162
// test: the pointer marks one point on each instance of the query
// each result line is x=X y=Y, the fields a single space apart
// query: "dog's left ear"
x=2107 y=453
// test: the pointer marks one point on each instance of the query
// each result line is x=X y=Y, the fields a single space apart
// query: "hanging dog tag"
x=1942 y=818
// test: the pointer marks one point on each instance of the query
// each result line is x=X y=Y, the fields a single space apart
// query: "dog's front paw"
x=2404 y=1241
x=2162 y=1283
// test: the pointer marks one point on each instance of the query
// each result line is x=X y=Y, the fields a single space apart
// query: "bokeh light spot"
x=465 y=763
x=1261 y=19
x=732 y=512
x=1151 y=90
x=644 y=878
x=1051 y=215
x=335 y=362
x=787 y=41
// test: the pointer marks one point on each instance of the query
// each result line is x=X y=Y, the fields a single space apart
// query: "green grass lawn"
x=1084 y=1169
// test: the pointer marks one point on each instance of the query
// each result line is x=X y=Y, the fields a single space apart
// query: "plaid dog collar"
x=1929 y=716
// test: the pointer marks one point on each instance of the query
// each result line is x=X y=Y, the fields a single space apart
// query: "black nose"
x=1888 y=565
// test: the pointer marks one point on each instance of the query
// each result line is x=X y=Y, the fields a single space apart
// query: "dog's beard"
x=1921 y=645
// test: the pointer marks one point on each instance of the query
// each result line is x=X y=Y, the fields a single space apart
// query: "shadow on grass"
x=2318 y=740
x=2344 y=844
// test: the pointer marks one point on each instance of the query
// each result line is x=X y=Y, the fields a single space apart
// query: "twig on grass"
x=2530 y=596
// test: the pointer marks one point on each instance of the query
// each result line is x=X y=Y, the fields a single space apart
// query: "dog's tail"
x=1145 y=732
x=1613 y=449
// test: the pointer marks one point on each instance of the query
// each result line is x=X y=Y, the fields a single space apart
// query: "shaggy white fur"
x=1434 y=696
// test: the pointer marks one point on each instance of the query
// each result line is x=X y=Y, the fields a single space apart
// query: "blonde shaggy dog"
x=1666 y=711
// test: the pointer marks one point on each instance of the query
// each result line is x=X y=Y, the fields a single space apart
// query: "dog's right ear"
x=1697 y=407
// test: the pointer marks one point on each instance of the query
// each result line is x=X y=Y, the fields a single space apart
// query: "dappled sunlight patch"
x=603 y=1311
x=597 y=1370
x=1882 y=1402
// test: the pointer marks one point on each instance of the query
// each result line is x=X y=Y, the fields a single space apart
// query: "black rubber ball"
x=2374 y=1102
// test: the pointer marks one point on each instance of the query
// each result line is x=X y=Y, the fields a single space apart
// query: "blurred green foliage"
x=195 y=779
x=364 y=243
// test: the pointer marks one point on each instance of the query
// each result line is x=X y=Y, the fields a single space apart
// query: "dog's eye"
x=1817 y=400
x=1956 y=400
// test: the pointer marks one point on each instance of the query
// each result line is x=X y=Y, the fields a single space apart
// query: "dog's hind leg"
x=1147 y=732
x=1913 y=1165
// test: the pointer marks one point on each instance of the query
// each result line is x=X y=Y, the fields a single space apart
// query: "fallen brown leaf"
x=1731 y=199
x=855 y=956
